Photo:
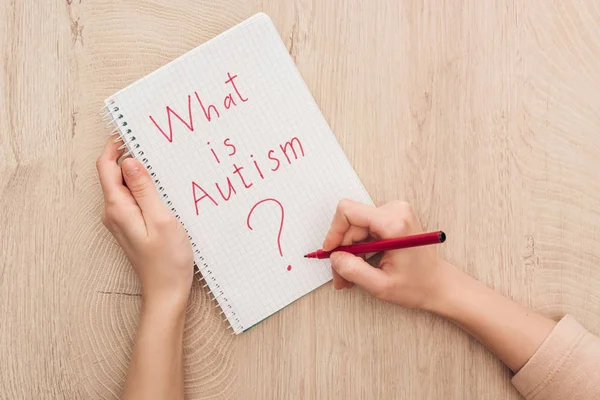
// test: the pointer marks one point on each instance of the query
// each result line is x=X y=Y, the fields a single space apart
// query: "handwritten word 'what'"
x=209 y=111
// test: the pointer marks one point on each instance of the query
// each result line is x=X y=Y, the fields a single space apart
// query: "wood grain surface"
x=485 y=115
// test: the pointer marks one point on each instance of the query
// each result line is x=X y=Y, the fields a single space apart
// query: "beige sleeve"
x=566 y=366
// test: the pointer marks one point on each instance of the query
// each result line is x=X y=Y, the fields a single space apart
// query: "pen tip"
x=305 y=256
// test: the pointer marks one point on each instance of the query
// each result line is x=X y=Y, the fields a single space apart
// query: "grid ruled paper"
x=254 y=143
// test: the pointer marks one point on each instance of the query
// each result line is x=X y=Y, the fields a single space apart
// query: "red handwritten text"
x=244 y=177
x=209 y=111
x=280 y=222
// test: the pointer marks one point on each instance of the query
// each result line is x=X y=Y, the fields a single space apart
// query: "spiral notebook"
x=243 y=157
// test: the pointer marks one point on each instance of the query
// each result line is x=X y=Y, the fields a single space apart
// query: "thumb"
x=356 y=270
x=142 y=187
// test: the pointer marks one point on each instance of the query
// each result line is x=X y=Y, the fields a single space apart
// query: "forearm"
x=512 y=332
x=156 y=367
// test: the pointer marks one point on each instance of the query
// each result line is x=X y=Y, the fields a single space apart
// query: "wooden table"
x=483 y=114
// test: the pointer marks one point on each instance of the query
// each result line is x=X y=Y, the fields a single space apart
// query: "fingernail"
x=131 y=168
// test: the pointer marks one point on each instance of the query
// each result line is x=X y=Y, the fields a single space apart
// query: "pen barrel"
x=422 y=239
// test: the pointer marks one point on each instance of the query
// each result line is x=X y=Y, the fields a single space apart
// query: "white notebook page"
x=272 y=143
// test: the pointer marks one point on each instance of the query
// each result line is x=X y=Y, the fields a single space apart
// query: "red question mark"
x=289 y=267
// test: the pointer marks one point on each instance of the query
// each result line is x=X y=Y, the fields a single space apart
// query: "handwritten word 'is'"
x=209 y=111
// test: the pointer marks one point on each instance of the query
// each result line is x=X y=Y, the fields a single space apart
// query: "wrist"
x=452 y=285
x=173 y=305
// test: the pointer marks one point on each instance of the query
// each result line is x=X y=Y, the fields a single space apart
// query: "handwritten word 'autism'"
x=209 y=111
x=243 y=178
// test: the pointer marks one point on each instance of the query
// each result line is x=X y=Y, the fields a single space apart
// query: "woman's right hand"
x=409 y=277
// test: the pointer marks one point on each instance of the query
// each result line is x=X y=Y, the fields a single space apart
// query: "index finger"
x=348 y=213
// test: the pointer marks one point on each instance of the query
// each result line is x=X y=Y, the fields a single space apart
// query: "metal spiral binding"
x=113 y=111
